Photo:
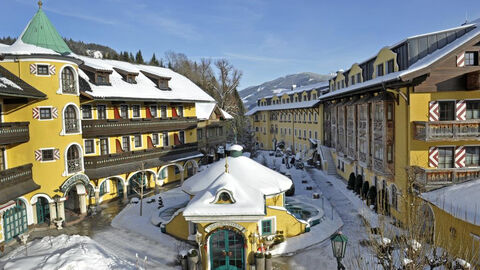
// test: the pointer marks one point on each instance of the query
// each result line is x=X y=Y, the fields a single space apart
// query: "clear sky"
x=265 y=39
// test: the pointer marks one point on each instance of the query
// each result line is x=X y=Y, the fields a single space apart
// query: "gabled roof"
x=12 y=86
x=181 y=88
x=204 y=110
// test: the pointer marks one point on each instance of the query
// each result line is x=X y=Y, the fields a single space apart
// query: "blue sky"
x=264 y=39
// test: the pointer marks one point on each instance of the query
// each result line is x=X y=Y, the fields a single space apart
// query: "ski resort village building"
x=403 y=126
x=237 y=207
x=78 y=131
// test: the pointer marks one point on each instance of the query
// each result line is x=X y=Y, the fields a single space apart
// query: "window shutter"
x=461 y=110
x=33 y=69
x=433 y=157
x=461 y=60
x=174 y=112
x=36 y=113
x=116 y=113
x=54 y=113
x=52 y=70
x=56 y=154
x=433 y=111
x=460 y=153
x=38 y=155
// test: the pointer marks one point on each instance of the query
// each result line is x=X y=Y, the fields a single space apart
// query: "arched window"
x=74 y=160
x=69 y=84
x=72 y=125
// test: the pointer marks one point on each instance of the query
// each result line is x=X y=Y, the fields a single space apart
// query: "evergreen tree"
x=154 y=61
x=139 y=58
x=131 y=58
x=161 y=63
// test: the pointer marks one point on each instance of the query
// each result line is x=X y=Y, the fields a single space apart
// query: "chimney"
x=294 y=86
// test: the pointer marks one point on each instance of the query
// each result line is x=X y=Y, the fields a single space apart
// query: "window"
x=104 y=146
x=338 y=85
x=101 y=112
x=153 y=111
x=72 y=125
x=103 y=188
x=42 y=70
x=89 y=146
x=380 y=70
x=304 y=133
x=163 y=84
x=136 y=111
x=74 y=161
x=316 y=135
x=378 y=151
x=69 y=84
x=181 y=136
x=86 y=111
x=124 y=111
x=155 y=139
x=138 y=140
x=267 y=227
x=390 y=153
x=446 y=110
x=343 y=83
x=45 y=113
x=394 y=197
x=47 y=155
x=472 y=156
x=177 y=170
x=163 y=111
x=180 y=111
x=471 y=58
x=352 y=80
x=126 y=143
x=220 y=131
x=165 y=139
x=445 y=157
x=389 y=111
x=102 y=79
x=473 y=109
x=359 y=78
x=390 y=66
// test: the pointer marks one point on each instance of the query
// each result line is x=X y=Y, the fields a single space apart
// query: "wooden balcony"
x=14 y=132
x=447 y=130
x=119 y=127
x=428 y=179
x=16 y=182
x=113 y=164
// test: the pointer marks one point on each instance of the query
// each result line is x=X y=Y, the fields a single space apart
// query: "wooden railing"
x=15 y=176
x=96 y=162
x=434 y=178
x=118 y=127
x=14 y=132
x=447 y=130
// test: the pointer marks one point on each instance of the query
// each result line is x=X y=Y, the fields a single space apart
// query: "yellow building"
x=237 y=206
x=77 y=131
x=290 y=120
x=404 y=124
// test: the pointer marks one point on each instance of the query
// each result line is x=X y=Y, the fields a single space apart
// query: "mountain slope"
x=250 y=94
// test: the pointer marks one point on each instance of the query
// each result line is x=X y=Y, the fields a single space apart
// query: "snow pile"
x=64 y=253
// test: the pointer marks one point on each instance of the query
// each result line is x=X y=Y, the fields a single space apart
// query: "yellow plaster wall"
x=383 y=56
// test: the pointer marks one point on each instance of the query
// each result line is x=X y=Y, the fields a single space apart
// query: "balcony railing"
x=435 y=178
x=72 y=125
x=74 y=165
x=15 y=176
x=447 y=130
x=14 y=132
x=117 y=127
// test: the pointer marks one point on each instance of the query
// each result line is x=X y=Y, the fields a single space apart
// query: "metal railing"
x=74 y=165
x=72 y=125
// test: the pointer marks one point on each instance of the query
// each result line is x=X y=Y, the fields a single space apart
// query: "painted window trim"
x=48 y=69
x=120 y=110
x=48 y=161
x=65 y=160
x=139 y=111
x=91 y=111
x=134 y=141
x=273 y=222
x=77 y=82
x=85 y=148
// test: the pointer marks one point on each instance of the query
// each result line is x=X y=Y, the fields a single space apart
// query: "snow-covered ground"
x=64 y=253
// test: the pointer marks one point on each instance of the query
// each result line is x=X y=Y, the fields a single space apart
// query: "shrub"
x=259 y=255
x=193 y=253
x=358 y=184
x=351 y=181
x=365 y=190
x=372 y=195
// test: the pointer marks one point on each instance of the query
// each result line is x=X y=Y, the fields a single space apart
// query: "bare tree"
x=140 y=187
x=227 y=83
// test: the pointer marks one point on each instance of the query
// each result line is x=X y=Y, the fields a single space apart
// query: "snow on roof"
x=419 y=65
x=284 y=106
x=182 y=89
x=460 y=200
x=226 y=114
x=301 y=89
x=247 y=200
x=3 y=45
x=235 y=147
x=4 y=83
x=242 y=169
x=204 y=110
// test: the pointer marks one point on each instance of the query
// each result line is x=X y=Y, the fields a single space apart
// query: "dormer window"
x=359 y=78
x=390 y=66
x=380 y=70
x=96 y=75
x=471 y=58
x=352 y=80
x=160 y=81
x=224 y=197
x=101 y=79
x=163 y=84
x=128 y=76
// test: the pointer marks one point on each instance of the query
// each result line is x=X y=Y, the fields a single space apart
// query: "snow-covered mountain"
x=250 y=94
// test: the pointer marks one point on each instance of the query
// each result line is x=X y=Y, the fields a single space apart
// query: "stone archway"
x=226 y=248
x=163 y=177
x=115 y=185
x=191 y=167
x=75 y=191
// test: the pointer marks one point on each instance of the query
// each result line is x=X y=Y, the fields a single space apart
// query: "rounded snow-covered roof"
x=243 y=170
x=235 y=147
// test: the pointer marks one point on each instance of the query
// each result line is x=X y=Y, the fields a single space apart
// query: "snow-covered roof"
x=204 y=110
x=182 y=89
x=226 y=114
x=11 y=85
x=247 y=200
x=247 y=182
x=284 y=106
x=301 y=89
x=460 y=200
x=417 y=66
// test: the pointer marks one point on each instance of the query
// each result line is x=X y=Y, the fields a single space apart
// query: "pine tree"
x=139 y=58
x=154 y=61
x=161 y=63
x=131 y=58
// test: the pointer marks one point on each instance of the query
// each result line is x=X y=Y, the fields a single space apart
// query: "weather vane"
x=226 y=164
x=40 y=3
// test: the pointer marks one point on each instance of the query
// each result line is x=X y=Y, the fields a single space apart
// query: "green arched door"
x=15 y=220
x=43 y=211
x=227 y=250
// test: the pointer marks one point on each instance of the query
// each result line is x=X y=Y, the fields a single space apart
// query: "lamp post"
x=339 y=245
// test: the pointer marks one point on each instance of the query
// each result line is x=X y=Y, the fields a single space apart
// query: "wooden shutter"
x=460 y=153
x=433 y=111
x=148 y=112
x=176 y=140
x=149 y=142
x=461 y=110
x=118 y=145
x=174 y=112
x=38 y=155
x=33 y=69
x=36 y=113
x=116 y=113
x=433 y=157
x=52 y=70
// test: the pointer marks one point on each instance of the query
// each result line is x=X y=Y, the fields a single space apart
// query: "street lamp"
x=339 y=245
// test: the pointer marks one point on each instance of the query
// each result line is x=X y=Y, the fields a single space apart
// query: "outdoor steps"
x=332 y=170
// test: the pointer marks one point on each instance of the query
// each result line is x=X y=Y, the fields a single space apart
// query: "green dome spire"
x=40 y=32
